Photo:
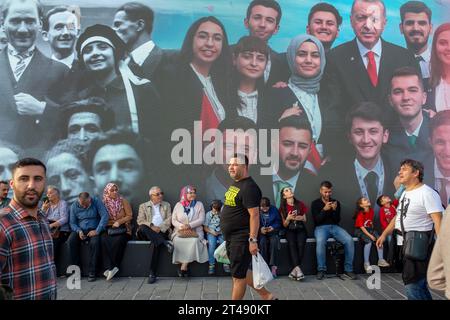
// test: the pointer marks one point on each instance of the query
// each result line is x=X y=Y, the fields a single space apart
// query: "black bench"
x=136 y=261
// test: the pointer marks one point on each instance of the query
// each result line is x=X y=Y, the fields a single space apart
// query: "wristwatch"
x=252 y=240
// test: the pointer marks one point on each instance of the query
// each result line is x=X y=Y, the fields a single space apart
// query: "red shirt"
x=386 y=216
x=364 y=219
x=294 y=210
x=26 y=254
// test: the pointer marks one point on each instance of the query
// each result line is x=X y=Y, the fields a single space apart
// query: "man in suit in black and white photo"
x=133 y=23
x=30 y=81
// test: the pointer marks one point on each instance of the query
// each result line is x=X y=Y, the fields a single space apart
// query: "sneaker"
x=151 y=278
x=320 y=275
x=300 y=275
x=367 y=267
x=226 y=268
x=383 y=263
x=350 y=275
x=91 y=277
x=106 y=273
x=211 y=269
x=112 y=273
x=274 y=271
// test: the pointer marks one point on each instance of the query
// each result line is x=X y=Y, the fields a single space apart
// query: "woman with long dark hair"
x=293 y=217
x=439 y=97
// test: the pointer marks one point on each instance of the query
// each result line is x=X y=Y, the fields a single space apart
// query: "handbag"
x=187 y=233
x=117 y=231
x=220 y=254
x=415 y=243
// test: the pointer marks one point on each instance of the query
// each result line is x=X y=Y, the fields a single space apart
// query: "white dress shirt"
x=425 y=63
x=68 y=61
x=249 y=104
x=142 y=52
x=377 y=49
x=157 y=219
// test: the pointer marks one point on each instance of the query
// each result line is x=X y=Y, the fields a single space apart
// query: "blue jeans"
x=213 y=242
x=418 y=290
x=322 y=233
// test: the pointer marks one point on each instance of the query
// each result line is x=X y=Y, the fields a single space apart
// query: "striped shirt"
x=26 y=254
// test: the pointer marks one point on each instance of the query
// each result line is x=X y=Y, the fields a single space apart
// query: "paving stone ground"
x=219 y=288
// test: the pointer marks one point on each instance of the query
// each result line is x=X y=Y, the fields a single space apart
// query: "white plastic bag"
x=261 y=272
x=220 y=254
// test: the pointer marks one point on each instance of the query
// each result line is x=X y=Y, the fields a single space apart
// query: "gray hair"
x=52 y=187
x=153 y=189
x=370 y=1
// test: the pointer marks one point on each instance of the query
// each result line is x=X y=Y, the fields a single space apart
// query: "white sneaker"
x=106 y=273
x=112 y=273
x=383 y=263
x=367 y=267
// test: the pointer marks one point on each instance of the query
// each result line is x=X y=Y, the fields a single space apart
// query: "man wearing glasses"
x=154 y=221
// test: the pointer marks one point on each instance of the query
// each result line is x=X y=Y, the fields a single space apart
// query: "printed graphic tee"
x=234 y=218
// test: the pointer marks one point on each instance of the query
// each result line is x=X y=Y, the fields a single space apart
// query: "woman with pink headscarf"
x=118 y=229
x=188 y=238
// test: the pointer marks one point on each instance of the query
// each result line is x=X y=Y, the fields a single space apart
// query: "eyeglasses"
x=158 y=194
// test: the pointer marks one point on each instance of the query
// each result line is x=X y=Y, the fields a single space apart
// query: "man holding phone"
x=326 y=213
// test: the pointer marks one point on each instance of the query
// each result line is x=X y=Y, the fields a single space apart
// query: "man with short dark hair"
x=87 y=119
x=409 y=138
x=367 y=173
x=31 y=82
x=9 y=155
x=294 y=145
x=118 y=157
x=60 y=29
x=324 y=22
x=239 y=224
x=133 y=23
x=326 y=213
x=26 y=246
x=360 y=70
x=4 y=189
x=416 y=27
x=88 y=219
x=263 y=21
x=419 y=211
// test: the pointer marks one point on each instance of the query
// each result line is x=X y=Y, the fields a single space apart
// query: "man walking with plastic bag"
x=240 y=224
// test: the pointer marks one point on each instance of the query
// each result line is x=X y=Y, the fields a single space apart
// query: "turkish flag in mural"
x=208 y=116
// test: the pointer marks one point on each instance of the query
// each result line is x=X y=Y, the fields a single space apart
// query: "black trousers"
x=269 y=247
x=94 y=251
x=114 y=249
x=156 y=239
x=296 y=241
x=57 y=244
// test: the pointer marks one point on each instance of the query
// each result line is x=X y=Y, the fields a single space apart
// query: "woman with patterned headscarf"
x=188 y=237
x=118 y=232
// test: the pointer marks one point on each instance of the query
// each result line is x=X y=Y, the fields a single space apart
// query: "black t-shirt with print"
x=234 y=218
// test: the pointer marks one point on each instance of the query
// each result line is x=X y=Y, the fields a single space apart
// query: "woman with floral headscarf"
x=118 y=232
x=188 y=238
x=305 y=96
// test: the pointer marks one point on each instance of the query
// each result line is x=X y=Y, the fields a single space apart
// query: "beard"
x=26 y=203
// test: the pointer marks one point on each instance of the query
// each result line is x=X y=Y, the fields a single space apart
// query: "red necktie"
x=372 y=68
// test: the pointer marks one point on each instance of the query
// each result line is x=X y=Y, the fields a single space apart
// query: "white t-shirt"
x=422 y=201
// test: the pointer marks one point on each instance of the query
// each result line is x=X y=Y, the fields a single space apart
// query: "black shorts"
x=240 y=258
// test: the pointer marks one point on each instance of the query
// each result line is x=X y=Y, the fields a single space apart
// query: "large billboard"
x=304 y=109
